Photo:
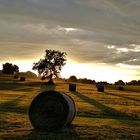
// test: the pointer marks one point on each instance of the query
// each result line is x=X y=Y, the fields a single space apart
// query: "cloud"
x=110 y=18
x=99 y=31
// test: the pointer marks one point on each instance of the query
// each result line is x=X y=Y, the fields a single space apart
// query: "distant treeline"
x=133 y=82
x=89 y=81
x=73 y=78
x=80 y=80
x=27 y=74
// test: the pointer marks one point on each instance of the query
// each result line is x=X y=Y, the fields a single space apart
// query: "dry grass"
x=112 y=114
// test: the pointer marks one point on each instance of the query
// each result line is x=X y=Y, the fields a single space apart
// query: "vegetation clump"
x=9 y=68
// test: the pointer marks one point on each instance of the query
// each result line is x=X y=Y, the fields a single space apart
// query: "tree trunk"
x=50 y=82
x=51 y=77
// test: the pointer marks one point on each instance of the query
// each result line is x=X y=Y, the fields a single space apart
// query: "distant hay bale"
x=120 y=88
x=16 y=76
x=72 y=87
x=100 y=87
x=22 y=78
x=51 y=111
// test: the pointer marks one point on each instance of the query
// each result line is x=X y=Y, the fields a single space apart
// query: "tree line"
x=73 y=78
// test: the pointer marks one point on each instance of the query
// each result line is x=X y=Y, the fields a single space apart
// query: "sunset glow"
x=101 y=38
x=97 y=72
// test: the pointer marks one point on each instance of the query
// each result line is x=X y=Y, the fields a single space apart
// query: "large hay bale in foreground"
x=51 y=110
x=72 y=87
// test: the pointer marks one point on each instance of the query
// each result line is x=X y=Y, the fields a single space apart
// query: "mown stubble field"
x=109 y=115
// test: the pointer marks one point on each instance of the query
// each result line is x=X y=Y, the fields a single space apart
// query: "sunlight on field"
x=112 y=114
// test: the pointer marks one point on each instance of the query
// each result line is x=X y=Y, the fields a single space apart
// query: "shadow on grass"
x=125 y=89
x=122 y=96
x=64 y=134
x=5 y=86
x=13 y=106
x=46 y=87
x=109 y=112
x=17 y=85
x=24 y=89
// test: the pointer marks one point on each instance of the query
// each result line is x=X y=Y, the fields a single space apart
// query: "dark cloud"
x=31 y=26
x=108 y=16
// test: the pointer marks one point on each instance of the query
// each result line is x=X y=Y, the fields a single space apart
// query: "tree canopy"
x=72 y=78
x=51 y=64
x=9 y=68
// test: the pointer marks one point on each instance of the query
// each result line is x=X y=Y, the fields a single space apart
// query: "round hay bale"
x=120 y=88
x=51 y=111
x=16 y=76
x=100 y=87
x=22 y=78
x=72 y=87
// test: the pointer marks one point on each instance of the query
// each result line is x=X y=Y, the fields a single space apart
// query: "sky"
x=101 y=37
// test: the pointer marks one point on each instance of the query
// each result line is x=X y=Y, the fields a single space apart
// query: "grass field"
x=111 y=115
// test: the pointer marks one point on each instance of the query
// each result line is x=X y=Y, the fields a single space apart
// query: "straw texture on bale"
x=51 y=111
x=72 y=87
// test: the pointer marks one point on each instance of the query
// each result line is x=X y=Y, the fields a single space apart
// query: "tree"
x=120 y=82
x=72 y=79
x=15 y=68
x=134 y=82
x=9 y=68
x=51 y=65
